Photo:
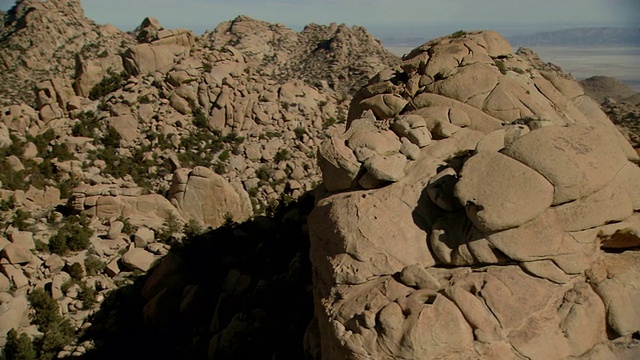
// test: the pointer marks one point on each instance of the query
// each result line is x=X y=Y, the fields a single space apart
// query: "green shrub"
x=192 y=228
x=170 y=227
x=282 y=155
x=127 y=229
x=207 y=67
x=57 y=331
x=299 y=132
x=224 y=156
x=111 y=82
x=330 y=121
x=458 y=34
x=74 y=235
x=502 y=67
x=18 y=347
x=93 y=265
x=199 y=118
x=111 y=139
x=19 y=219
x=233 y=138
x=144 y=99
x=263 y=173
x=75 y=271
x=87 y=295
x=58 y=244
x=87 y=125
x=7 y=204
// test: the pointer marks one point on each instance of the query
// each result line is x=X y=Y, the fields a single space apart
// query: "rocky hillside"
x=478 y=206
x=330 y=57
x=118 y=147
x=619 y=102
x=156 y=197
x=45 y=39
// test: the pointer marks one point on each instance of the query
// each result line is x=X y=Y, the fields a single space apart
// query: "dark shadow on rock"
x=242 y=291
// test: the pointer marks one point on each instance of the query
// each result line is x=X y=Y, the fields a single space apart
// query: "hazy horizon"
x=383 y=18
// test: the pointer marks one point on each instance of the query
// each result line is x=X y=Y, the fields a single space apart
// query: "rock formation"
x=619 y=102
x=118 y=147
x=479 y=205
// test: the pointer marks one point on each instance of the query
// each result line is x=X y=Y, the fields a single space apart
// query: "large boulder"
x=205 y=196
x=115 y=200
x=486 y=243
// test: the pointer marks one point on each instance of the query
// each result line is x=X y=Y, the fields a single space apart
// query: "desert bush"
x=93 y=265
x=502 y=67
x=19 y=219
x=199 y=118
x=170 y=228
x=144 y=99
x=57 y=331
x=111 y=82
x=282 y=155
x=73 y=235
x=458 y=34
x=299 y=132
x=18 y=347
x=111 y=139
x=75 y=271
x=224 y=155
x=192 y=228
x=87 y=125
x=330 y=121
x=87 y=295
x=127 y=229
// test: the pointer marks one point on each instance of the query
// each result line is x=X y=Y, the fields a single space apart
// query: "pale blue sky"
x=420 y=18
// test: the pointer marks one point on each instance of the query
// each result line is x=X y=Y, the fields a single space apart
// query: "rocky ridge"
x=619 y=102
x=477 y=206
x=139 y=135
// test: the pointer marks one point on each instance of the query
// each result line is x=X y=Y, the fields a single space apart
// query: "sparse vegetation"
x=329 y=122
x=458 y=34
x=93 y=265
x=72 y=236
x=18 y=347
x=110 y=83
x=57 y=330
x=170 y=228
x=501 y=66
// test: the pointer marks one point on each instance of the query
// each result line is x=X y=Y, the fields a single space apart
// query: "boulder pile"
x=478 y=205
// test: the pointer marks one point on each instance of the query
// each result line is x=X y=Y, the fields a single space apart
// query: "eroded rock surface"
x=491 y=241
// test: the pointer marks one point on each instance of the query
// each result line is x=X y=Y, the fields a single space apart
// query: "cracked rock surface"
x=510 y=232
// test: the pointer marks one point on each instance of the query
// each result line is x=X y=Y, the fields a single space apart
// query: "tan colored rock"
x=126 y=126
x=14 y=312
x=500 y=193
x=138 y=259
x=339 y=165
x=384 y=106
x=143 y=237
x=615 y=279
x=577 y=160
x=606 y=205
x=90 y=72
x=203 y=195
x=17 y=254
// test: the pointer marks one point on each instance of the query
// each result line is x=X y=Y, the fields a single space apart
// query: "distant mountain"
x=592 y=36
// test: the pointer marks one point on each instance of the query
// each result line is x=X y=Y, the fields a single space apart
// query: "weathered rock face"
x=111 y=201
x=340 y=55
x=489 y=238
x=41 y=40
x=205 y=196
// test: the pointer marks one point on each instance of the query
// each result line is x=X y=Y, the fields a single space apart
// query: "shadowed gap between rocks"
x=246 y=286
